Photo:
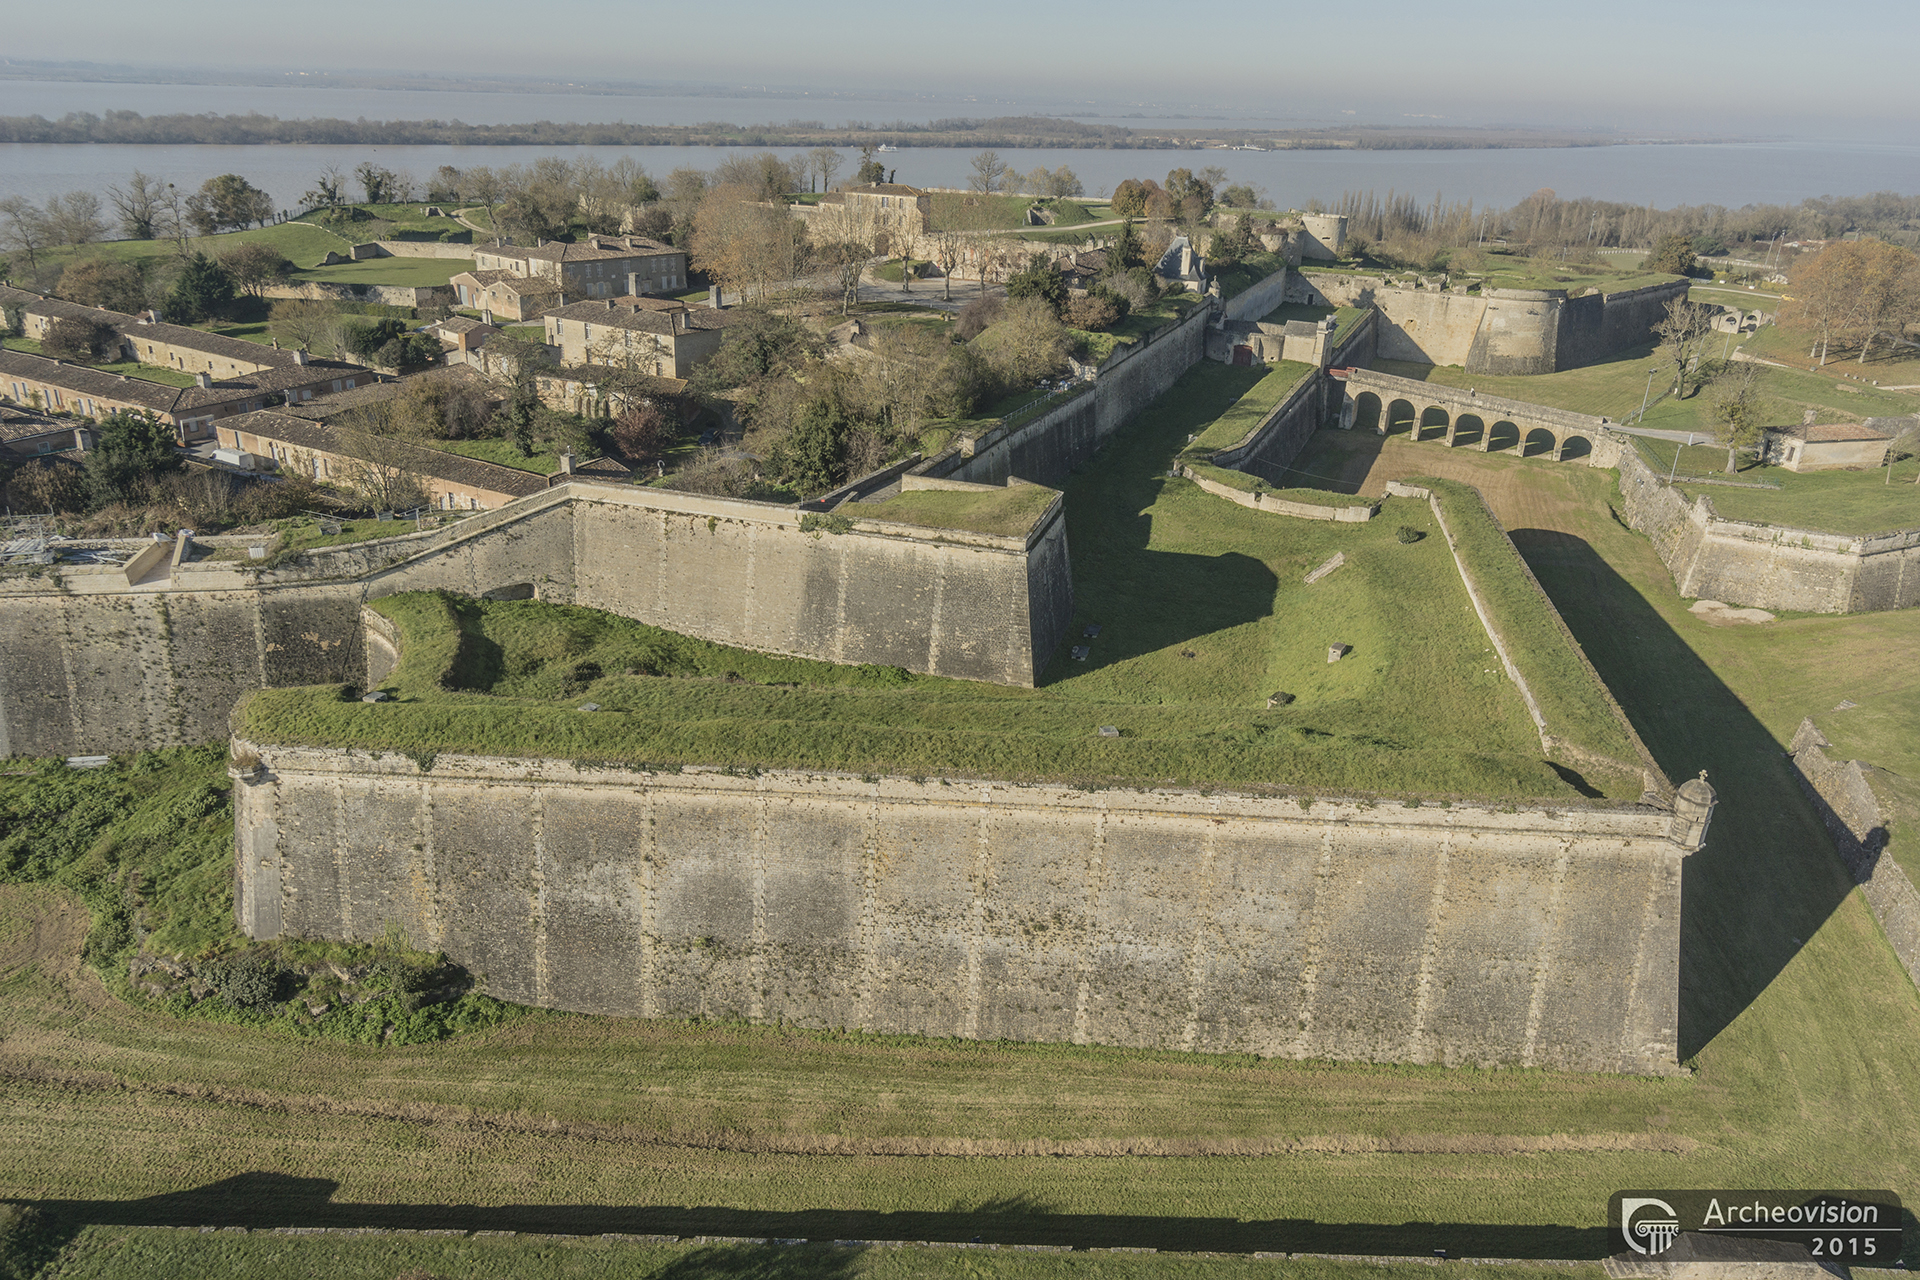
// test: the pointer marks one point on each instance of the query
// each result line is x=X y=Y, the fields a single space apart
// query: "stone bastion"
x=1287 y=927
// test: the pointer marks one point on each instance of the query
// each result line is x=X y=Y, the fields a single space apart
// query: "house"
x=462 y=337
x=887 y=210
x=596 y=267
x=54 y=386
x=506 y=295
x=1830 y=446
x=291 y=442
x=653 y=335
x=1082 y=269
x=35 y=435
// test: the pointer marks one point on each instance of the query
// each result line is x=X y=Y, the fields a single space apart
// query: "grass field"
x=545 y=460
x=1826 y=501
x=417 y=272
x=1889 y=365
x=1009 y=512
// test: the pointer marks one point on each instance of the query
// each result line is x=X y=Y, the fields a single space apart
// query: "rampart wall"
x=90 y=663
x=1854 y=818
x=1279 y=926
x=1494 y=331
x=1767 y=566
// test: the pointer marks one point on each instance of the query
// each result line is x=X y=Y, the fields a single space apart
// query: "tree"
x=103 y=282
x=381 y=184
x=1239 y=196
x=989 y=173
x=381 y=468
x=1130 y=198
x=1191 y=195
x=129 y=448
x=254 y=265
x=436 y=406
x=1683 y=334
x=204 y=290
x=1672 y=254
x=304 y=324
x=74 y=218
x=1855 y=290
x=80 y=339
x=824 y=162
x=642 y=430
x=742 y=243
x=445 y=186
x=811 y=457
x=227 y=202
x=1038 y=280
x=765 y=174
x=23 y=229
x=329 y=190
x=1029 y=343
x=1126 y=251
x=1736 y=407
x=870 y=170
x=1231 y=243
x=141 y=206
x=849 y=236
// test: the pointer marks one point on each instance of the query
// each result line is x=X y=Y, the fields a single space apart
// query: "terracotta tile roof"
x=472 y=472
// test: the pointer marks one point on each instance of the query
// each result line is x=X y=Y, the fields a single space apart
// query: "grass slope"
x=1805 y=1033
x=1009 y=512
x=1857 y=502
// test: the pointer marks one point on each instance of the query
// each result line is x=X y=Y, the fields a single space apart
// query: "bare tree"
x=382 y=468
x=743 y=243
x=23 y=229
x=1736 y=407
x=989 y=173
x=140 y=206
x=1683 y=335
x=824 y=161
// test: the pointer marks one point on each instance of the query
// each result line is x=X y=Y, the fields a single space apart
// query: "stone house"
x=889 y=210
x=504 y=295
x=1830 y=446
x=596 y=267
x=654 y=335
x=35 y=435
x=291 y=442
x=462 y=337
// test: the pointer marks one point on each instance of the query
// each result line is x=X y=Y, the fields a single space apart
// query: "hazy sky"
x=1762 y=67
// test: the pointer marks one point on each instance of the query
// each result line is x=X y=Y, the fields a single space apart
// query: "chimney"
x=202 y=380
x=566 y=462
x=81 y=439
x=486 y=315
x=609 y=304
x=633 y=284
x=300 y=356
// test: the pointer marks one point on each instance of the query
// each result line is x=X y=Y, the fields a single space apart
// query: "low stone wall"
x=1277 y=439
x=1046 y=449
x=392 y=295
x=411 y=249
x=1299 y=928
x=1767 y=566
x=90 y=663
x=1260 y=501
x=1854 y=819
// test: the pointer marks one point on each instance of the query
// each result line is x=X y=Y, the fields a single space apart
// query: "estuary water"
x=1731 y=174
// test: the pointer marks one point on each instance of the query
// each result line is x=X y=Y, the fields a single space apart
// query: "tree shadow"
x=1767 y=877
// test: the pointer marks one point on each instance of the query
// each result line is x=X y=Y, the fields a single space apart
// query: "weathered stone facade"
x=1279 y=926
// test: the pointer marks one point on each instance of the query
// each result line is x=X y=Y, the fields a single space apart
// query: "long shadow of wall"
x=267 y=1200
x=1767 y=878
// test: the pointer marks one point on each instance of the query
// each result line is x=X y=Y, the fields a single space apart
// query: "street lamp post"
x=1646 y=395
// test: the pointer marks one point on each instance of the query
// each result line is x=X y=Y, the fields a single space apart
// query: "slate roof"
x=300 y=433
x=1838 y=432
x=21 y=424
x=882 y=189
x=152 y=396
x=648 y=315
x=522 y=285
x=592 y=249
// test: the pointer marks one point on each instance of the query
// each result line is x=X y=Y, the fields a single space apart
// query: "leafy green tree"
x=1126 y=251
x=1672 y=254
x=1736 y=407
x=1038 y=280
x=80 y=339
x=102 y=282
x=128 y=448
x=365 y=339
x=203 y=291
x=226 y=202
x=254 y=266
x=758 y=344
x=870 y=170
x=812 y=457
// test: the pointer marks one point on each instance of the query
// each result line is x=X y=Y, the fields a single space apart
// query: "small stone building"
x=1831 y=446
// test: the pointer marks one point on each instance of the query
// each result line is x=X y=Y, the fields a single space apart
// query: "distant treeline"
x=253 y=129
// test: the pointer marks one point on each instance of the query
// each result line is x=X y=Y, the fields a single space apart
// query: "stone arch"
x=1469 y=429
x=1536 y=442
x=1502 y=435
x=1366 y=412
x=1400 y=416
x=1433 y=416
x=1574 y=447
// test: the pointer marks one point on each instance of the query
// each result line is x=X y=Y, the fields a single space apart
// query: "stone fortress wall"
x=92 y=663
x=1494 y=331
x=1279 y=926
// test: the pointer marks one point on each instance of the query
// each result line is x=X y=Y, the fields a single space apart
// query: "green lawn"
x=1824 y=501
x=131 y=368
x=1248 y=272
x=302 y=243
x=1889 y=365
x=260 y=333
x=418 y=272
x=1614 y=390
x=979 y=213
x=1804 y=1032
x=1010 y=512
x=545 y=460
x=171 y=1253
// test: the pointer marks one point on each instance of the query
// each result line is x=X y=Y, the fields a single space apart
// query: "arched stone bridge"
x=1466 y=419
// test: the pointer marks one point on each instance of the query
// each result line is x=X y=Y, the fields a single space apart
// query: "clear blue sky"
x=1764 y=67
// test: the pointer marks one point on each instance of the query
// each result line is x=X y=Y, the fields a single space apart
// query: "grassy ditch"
x=1575 y=704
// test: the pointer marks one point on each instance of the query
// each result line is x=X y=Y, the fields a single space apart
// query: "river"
x=1731 y=174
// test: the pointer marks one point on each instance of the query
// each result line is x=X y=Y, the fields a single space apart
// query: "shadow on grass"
x=268 y=1200
x=1767 y=878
